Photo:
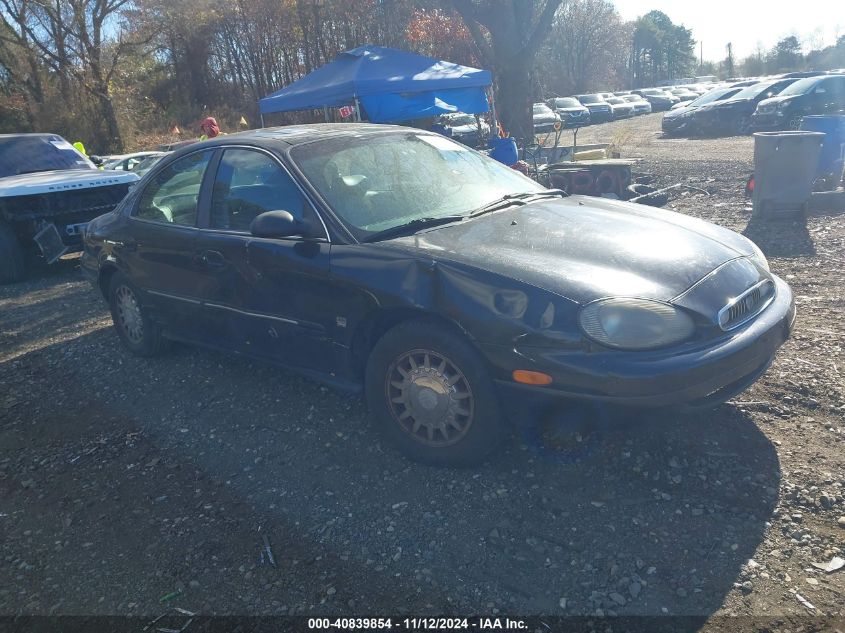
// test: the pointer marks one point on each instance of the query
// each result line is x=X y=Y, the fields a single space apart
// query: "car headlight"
x=758 y=257
x=783 y=105
x=635 y=324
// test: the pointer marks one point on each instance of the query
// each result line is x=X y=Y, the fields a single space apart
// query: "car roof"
x=30 y=134
x=292 y=135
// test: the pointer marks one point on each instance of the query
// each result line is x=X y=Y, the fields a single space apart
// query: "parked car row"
x=585 y=109
x=759 y=104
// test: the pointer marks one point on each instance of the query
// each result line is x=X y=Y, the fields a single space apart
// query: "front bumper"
x=598 y=116
x=676 y=125
x=767 y=122
x=703 y=375
x=573 y=121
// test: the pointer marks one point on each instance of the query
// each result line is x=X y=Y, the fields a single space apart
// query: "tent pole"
x=357 y=110
x=262 y=119
x=326 y=113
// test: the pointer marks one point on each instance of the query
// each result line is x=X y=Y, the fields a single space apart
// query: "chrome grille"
x=747 y=305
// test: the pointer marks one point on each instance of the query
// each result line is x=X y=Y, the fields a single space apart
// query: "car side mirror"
x=279 y=224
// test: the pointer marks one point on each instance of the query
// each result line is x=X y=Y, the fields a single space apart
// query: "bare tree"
x=586 y=49
x=69 y=37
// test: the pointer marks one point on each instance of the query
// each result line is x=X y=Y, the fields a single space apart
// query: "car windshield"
x=615 y=100
x=145 y=163
x=591 y=99
x=631 y=98
x=566 y=102
x=459 y=119
x=653 y=91
x=378 y=182
x=756 y=90
x=714 y=95
x=29 y=154
x=799 y=87
x=541 y=108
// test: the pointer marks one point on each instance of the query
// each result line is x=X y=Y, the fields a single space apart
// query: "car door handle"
x=212 y=260
x=129 y=244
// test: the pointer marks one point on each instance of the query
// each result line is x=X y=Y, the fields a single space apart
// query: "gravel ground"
x=126 y=480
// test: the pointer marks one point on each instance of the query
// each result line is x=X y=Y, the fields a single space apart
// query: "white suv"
x=48 y=193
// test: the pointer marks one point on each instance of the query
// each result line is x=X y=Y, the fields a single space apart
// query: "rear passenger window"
x=247 y=184
x=172 y=196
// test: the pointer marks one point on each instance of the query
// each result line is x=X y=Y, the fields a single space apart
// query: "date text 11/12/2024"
x=418 y=624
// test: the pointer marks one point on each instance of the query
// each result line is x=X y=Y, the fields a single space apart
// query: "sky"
x=745 y=24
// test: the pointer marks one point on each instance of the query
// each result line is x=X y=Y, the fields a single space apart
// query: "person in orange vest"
x=209 y=128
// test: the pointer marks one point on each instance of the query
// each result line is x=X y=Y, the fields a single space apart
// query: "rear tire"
x=12 y=263
x=431 y=393
x=138 y=332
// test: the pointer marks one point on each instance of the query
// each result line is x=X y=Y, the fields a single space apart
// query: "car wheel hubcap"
x=430 y=398
x=129 y=314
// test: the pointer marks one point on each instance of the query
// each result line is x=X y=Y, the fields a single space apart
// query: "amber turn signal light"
x=531 y=377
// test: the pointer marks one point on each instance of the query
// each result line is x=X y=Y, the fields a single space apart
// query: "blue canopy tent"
x=392 y=85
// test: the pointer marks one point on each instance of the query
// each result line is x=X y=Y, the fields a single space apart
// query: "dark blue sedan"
x=432 y=277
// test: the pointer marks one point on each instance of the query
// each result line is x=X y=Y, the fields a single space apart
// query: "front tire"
x=432 y=395
x=12 y=263
x=138 y=332
x=743 y=125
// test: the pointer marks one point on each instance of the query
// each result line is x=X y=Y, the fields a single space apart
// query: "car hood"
x=543 y=118
x=469 y=128
x=773 y=101
x=586 y=248
x=729 y=103
x=570 y=110
x=61 y=180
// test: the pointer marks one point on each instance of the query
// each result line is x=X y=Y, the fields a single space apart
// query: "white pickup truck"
x=48 y=193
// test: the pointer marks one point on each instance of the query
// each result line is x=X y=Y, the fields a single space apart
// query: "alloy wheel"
x=129 y=314
x=430 y=398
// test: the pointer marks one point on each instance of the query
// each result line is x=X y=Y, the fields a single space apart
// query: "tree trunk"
x=513 y=98
x=114 y=141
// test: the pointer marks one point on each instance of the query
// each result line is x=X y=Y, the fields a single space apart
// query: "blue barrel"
x=833 y=128
x=504 y=150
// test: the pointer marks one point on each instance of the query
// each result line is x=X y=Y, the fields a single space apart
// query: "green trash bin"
x=784 y=169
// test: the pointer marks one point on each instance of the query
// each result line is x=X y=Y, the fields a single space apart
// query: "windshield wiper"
x=515 y=198
x=413 y=226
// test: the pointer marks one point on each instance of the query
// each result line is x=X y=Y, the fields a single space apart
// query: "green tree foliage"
x=786 y=56
x=660 y=50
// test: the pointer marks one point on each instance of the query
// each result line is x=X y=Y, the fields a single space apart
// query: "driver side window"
x=247 y=184
x=172 y=196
